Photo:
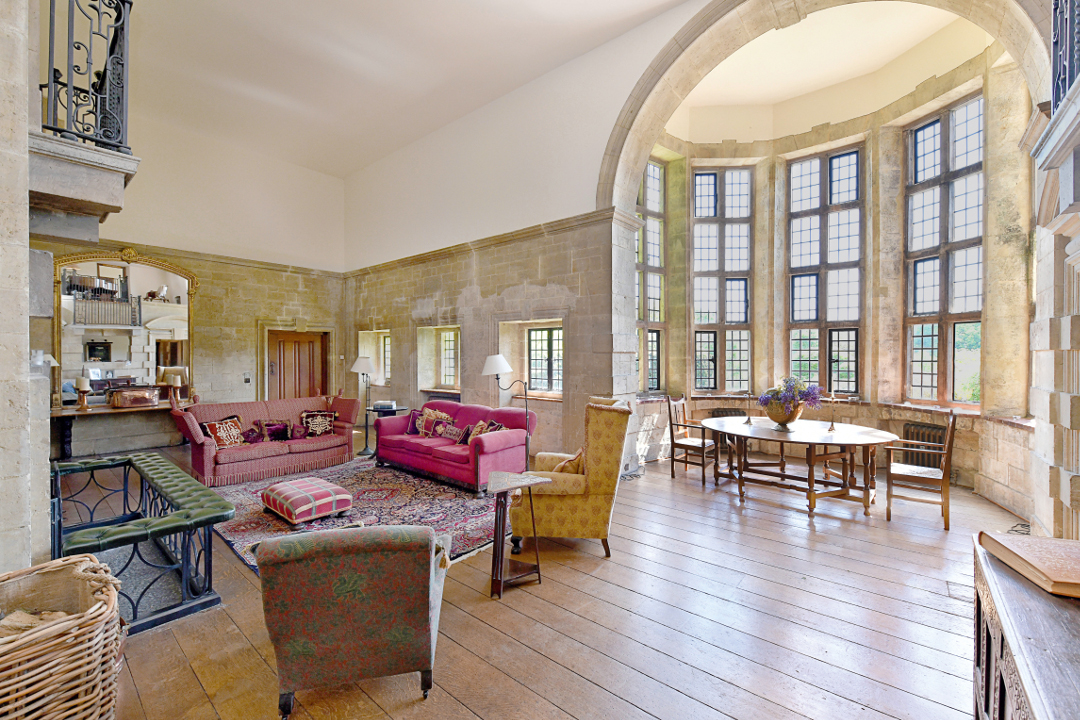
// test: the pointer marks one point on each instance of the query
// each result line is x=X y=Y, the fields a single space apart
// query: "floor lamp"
x=496 y=365
x=364 y=367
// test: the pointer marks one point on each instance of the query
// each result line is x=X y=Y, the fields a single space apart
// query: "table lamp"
x=496 y=365
x=365 y=368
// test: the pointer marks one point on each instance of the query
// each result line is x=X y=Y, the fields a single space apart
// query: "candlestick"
x=832 y=421
x=82 y=400
x=748 y=396
x=82 y=383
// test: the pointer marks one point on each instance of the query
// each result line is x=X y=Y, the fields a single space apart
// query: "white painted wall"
x=943 y=51
x=198 y=193
x=529 y=157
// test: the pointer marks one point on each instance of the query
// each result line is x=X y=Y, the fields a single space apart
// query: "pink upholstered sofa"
x=229 y=466
x=464 y=465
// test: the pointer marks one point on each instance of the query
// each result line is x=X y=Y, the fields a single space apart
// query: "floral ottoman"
x=306 y=499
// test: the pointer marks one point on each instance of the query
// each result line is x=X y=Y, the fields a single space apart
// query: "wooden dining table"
x=832 y=445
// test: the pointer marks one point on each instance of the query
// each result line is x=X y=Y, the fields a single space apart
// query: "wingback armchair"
x=344 y=605
x=578 y=505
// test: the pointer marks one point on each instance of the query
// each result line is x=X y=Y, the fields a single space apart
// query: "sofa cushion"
x=227 y=433
x=453 y=453
x=424 y=445
x=241 y=453
x=396 y=441
x=322 y=442
x=318 y=422
x=210 y=412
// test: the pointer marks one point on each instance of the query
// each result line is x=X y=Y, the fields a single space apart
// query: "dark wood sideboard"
x=1027 y=647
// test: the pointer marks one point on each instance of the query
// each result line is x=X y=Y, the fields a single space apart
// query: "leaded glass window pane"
x=737 y=360
x=967 y=207
x=654 y=290
x=843 y=360
x=924 y=361
x=844 y=178
x=706 y=300
x=705 y=360
x=927 y=286
x=735 y=301
x=804 y=355
x=928 y=151
x=736 y=247
x=737 y=194
x=843 y=299
x=844 y=236
x=967 y=362
x=804 y=298
x=705 y=195
x=654 y=239
x=652 y=359
x=806 y=185
x=924 y=224
x=706 y=247
x=805 y=241
x=967 y=275
x=654 y=187
x=967 y=134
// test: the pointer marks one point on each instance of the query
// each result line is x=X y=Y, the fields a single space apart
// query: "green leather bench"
x=175 y=511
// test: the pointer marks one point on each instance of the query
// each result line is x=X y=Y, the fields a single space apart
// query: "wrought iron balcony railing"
x=85 y=97
x=1065 y=48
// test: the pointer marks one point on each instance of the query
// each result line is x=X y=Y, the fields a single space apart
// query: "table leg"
x=536 y=540
x=716 y=457
x=740 y=447
x=811 y=496
x=65 y=426
x=498 y=549
x=872 y=484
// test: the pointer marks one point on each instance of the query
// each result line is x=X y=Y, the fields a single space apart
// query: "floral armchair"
x=578 y=505
x=343 y=605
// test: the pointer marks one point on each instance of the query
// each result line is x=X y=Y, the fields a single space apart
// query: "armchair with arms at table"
x=344 y=605
x=681 y=432
x=577 y=505
x=925 y=479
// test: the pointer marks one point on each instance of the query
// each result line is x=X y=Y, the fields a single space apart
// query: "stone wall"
x=558 y=270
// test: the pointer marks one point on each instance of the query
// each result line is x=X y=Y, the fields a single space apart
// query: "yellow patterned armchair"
x=578 y=505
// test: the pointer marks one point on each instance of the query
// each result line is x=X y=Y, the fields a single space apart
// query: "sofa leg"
x=481 y=495
x=425 y=682
x=607 y=550
x=285 y=705
x=515 y=542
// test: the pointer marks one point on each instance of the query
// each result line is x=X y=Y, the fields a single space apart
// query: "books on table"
x=1051 y=563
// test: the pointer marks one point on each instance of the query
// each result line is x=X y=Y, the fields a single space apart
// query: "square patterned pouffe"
x=306 y=499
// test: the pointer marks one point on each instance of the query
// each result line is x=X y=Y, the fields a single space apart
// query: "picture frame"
x=110 y=374
x=93 y=373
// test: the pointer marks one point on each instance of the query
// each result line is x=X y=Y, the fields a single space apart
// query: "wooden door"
x=296 y=364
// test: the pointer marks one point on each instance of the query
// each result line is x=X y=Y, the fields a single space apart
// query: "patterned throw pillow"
x=434 y=427
x=413 y=428
x=275 y=429
x=252 y=436
x=318 y=422
x=478 y=429
x=572 y=465
x=466 y=433
x=299 y=432
x=494 y=427
x=451 y=432
x=237 y=418
x=226 y=433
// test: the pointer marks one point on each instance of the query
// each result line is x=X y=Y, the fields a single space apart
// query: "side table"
x=503 y=571
x=381 y=412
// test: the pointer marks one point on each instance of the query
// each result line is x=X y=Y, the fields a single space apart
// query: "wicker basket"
x=65 y=668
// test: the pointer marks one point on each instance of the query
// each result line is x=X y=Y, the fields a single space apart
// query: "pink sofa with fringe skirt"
x=214 y=466
x=465 y=465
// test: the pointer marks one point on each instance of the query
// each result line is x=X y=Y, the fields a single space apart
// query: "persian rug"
x=381 y=496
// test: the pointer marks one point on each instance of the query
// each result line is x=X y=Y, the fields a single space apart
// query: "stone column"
x=885 y=265
x=779 y=361
x=677 y=284
x=767 y=295
x=1006 y=244
x=15 y=454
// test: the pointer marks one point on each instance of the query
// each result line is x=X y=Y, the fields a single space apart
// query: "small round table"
x=814 y=434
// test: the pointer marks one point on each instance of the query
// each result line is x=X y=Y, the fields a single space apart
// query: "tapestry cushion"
x=206 y=432
x=453 y=432
x=299 y=432
x=323 y=442
x=318 y=422
x=306 y=499
x=433 y=427
x=252 y=436
x=483 y=427
x=241 y=453
x=573 y=465
x=275 y=429
x=413 y=428
x=226 y=433
x=466 y=433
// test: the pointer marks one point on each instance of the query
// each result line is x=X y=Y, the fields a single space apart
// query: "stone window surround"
x=644 y=269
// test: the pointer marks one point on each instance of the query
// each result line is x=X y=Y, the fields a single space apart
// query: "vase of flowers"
x=785 y=402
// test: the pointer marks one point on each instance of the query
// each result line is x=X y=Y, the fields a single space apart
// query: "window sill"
x=441 y=391
x=542 y=398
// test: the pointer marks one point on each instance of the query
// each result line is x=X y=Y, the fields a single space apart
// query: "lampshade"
x=363 y=365
x=496 y=365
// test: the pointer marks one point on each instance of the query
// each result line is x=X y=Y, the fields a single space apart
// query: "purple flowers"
x=790 y=392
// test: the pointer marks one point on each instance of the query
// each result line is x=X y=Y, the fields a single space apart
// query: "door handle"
x=272 y=368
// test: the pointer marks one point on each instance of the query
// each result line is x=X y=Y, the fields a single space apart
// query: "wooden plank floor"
x=709 y=608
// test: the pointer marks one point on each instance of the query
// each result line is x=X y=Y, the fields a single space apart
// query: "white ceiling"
x=828 y=47
x=334 y=85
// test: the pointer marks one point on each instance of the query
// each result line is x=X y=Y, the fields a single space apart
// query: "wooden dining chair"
x=933 y=480
x=727 y=442
x=682 y=439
